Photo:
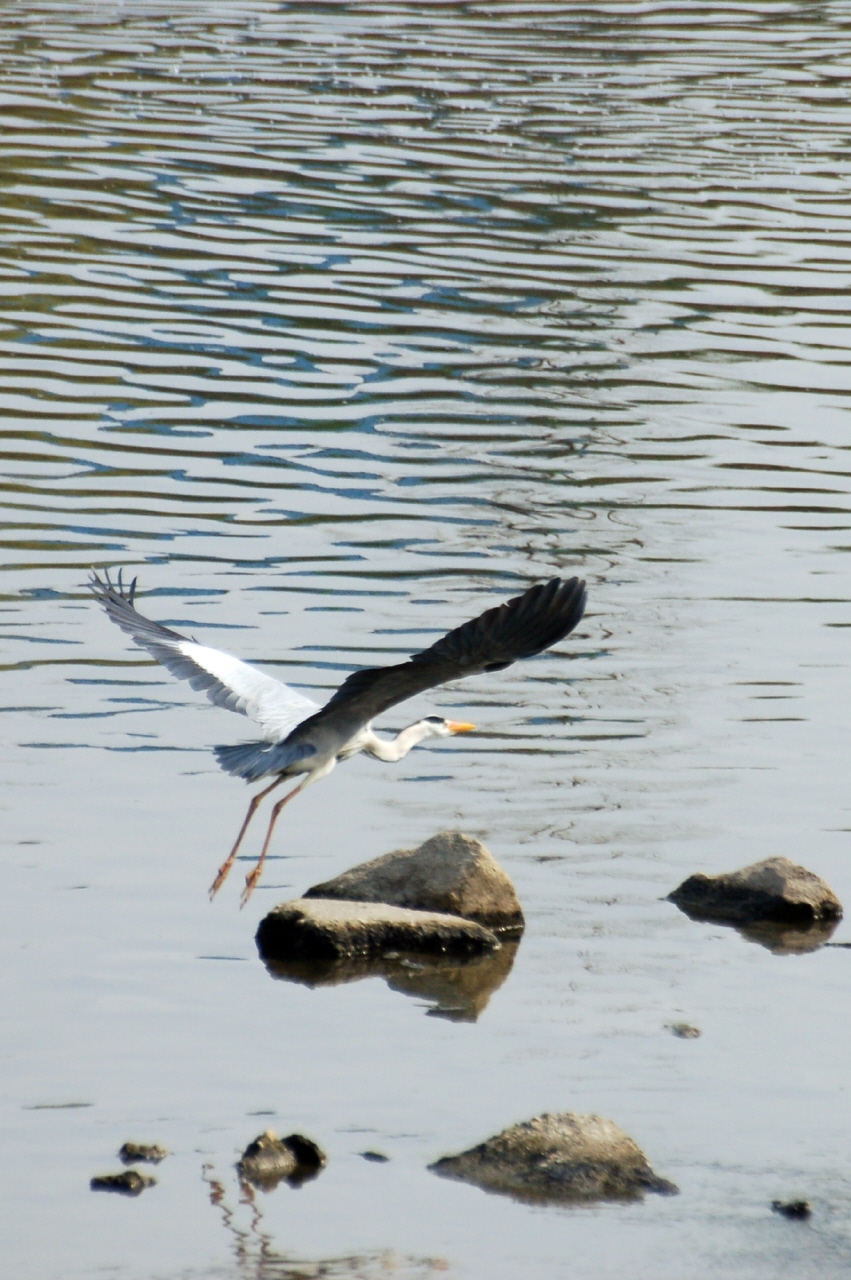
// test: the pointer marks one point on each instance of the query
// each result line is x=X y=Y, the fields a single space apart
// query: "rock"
x=318 y=929
x=773 y=890
x=269 y=1160
x=376 y=1157
x=132 y=1152
x=792 y=1208
x=451 y=873
x=457 y=987
x=558 y=1157
x=130 y=1182
x=684 y=1030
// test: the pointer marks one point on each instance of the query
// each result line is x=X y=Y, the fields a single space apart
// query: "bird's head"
x=437 y=727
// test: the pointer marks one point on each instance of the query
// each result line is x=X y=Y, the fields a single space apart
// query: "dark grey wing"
x=520 y=628
x=226 y=680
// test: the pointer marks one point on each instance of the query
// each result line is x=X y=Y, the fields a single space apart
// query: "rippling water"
x=337 y=323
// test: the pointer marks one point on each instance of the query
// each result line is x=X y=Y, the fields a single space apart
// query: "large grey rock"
x=456 y=987
x=319 y=929
x=774 y=890
x=451 y=873
x=558 y=1157
x=269 y=1160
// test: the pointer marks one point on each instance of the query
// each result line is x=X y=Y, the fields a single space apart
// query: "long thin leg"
x=224 y=869
x=254 y=875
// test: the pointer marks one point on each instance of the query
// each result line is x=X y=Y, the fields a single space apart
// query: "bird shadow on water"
x=458 y=989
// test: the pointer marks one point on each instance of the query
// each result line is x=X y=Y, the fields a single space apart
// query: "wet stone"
x=137 y=1152
x=269 y=1160
x=130 y=1182
x=775 y=890
x=317 y=929
x=452 y=873
x=563 y=1157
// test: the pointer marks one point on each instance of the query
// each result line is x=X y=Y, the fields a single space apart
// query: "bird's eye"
x=435 y=719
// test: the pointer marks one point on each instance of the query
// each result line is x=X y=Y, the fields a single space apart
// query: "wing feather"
x=226 y=680
x=520 y=628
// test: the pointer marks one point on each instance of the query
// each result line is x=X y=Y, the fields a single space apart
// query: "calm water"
x=338 y=323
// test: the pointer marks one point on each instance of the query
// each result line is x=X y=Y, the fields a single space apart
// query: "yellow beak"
x=459 y=726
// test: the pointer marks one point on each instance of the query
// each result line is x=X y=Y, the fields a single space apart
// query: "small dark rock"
x=269 y=1160
x=452 y=874
x=150 y=1152
x=375 y=1156
x=127 y=1183
x=792 y=1208
x=323 y=929
x=773 y=890
x=684 y=1031
x=558 y=1158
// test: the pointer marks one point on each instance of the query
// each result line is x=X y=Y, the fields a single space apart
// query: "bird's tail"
x=253 y=760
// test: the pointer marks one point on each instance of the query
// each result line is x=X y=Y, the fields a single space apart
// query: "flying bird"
x=299 y=736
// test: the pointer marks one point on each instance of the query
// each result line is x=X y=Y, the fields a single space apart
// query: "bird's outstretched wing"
x=226 y=681
x=520 y=628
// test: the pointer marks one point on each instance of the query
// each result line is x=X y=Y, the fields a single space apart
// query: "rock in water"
x=775 y=889
x=127 y=1183
x=451 y=873
x=269 y=1159
x=132 y=1152
x=558 y=1157
x=793 y=1208
x=318 y=929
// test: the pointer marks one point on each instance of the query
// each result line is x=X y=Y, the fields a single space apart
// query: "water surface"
x=336 y=324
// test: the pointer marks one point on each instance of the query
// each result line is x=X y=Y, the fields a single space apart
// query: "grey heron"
x=300 y=737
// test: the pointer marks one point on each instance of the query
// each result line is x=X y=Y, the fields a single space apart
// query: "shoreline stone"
x=452 y=874
x=552 y=1158
x=328 y=929
x=774 y=890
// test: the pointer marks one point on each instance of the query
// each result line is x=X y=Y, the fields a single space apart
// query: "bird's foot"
x=221 y=877
x=250 y=885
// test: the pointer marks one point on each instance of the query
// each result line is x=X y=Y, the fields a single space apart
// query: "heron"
x=302 y=738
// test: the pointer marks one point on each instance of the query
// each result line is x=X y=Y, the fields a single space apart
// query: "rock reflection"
x=780 y=937
x=789 y=939
x=458 y=989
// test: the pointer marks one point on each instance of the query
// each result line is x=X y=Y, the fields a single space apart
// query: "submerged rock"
x=319 y=929
x=773 y=890
x=130 y=1182
x=451 y=873
x=269 y=1160
x=457 y=987
x=558 y=1158
x=151 y=1152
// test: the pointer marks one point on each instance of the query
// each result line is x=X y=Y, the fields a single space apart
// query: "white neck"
x=397 y=748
